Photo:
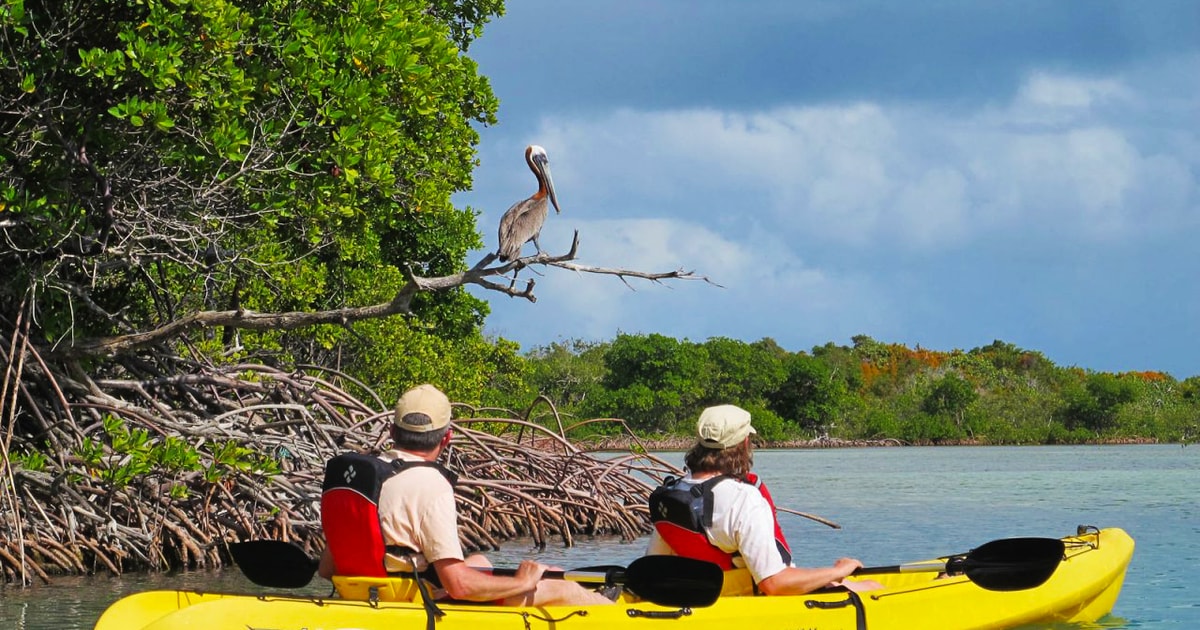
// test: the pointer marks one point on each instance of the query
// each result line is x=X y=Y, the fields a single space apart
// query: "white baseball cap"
x=723 y=426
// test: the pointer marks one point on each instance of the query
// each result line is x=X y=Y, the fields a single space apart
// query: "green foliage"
x=768 y=424
x=33 y=460
x=996 y=394
x=810 y=394
x=121 y=455
x=950 y=396
x=655 y=383
x=921 y=428
x=877 y=423
x=393 y=356
x=506 y=372
x=844 y=363
x=652 y=381
x=1189 y=389
x=272 y=156
x=1009 y=358
x=742 y=373
x=1022 y=413
x=229 y=458
x=569 y=373
x=175 y=455
x=1092 y=400
x=130 y=453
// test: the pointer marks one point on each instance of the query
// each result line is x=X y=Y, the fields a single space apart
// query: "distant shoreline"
x=626 y=443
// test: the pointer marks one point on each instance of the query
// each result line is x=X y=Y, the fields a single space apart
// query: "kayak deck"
x=1083 y=588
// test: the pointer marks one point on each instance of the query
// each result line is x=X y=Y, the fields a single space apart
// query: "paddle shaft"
x=932 y=566
x=587 y=577
x=277 y=563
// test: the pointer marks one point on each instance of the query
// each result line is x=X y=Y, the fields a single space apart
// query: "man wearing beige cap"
x=720 y=512
x=418 y=520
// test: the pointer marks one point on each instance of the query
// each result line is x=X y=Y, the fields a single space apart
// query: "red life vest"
x=350 y=510
x=785 y=550
x=681 y=511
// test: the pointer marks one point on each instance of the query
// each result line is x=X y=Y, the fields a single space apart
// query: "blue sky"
x=931 y=173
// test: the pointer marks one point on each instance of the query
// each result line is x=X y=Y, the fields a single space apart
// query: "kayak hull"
x=1082 y=589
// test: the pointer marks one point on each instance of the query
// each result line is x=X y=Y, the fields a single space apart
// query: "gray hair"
x=420 y=442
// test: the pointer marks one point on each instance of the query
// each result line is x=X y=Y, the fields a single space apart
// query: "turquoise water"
x=897 y=504
x=894 y=505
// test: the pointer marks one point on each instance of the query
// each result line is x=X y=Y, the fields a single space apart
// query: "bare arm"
x=464 y=582
x=797 y=580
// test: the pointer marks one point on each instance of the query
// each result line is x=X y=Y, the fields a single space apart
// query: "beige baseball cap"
x=422 y=408
x=723 y=426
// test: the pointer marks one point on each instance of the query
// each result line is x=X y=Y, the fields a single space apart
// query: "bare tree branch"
x=480 y=274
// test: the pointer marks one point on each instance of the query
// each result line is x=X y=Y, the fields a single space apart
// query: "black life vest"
x=681 y=511
x=350 y=510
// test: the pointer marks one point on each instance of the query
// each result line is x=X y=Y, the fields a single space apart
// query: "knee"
x=478 y=560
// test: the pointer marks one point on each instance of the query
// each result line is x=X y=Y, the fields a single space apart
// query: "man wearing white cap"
x=720 y=512
x=418 y=519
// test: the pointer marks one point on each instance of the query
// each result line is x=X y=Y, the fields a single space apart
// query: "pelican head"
x=539 y=163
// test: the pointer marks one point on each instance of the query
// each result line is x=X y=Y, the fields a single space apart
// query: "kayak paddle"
x=1008 y=564
x=663 y=580
x=273 y=563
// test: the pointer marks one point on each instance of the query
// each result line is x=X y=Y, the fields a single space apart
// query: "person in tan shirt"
x=417 y=513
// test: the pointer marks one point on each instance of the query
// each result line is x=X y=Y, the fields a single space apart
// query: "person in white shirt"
x=719 y=512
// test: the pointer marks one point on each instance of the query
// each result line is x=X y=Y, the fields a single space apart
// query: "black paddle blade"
x=1010 y=564
x=675 y=581
x=273 y=563
x=600 y=568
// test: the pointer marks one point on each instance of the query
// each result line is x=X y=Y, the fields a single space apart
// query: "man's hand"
x=846 y=566
x=529 y=573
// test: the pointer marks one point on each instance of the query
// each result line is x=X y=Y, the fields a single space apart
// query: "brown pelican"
x=523 y=221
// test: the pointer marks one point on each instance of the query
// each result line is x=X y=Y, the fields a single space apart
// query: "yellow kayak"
x=1080 y=585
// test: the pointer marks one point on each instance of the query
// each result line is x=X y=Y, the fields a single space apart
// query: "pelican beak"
x=544 y=167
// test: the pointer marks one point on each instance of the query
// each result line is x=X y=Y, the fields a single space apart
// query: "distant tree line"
x=869 y=390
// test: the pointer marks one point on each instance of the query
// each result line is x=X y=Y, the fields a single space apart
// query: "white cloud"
x=869 y=175
x=1043 y=89
x=939 y=198
x=646 y=245
x=823 y=167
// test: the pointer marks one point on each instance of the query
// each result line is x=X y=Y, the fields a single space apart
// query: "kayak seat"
x=388 y=589
x=738 y=582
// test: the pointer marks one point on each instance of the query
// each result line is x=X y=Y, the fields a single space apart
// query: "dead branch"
x=480 y=274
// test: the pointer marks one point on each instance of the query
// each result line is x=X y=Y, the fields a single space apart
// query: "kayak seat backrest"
x=389 y=589
x=350 y=513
